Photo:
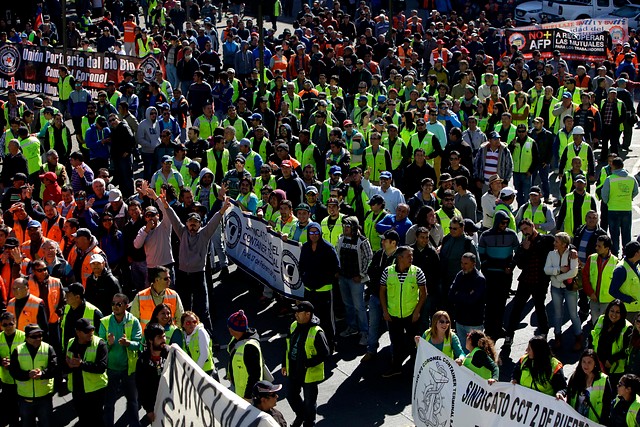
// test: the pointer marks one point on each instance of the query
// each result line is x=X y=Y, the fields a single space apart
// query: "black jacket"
x=100 y=290
x=122 y=141
x=148 y=373
x=299 y=365
x=591 y=245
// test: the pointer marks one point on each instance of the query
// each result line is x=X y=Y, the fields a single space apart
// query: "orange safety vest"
x=280 y=64
x=53 y=298
x=86 y=265
x=53 y=232
x=19 y=232
x=402 y=54
x=7 y=279
x=4 y=291
x=147 y=305
x=583 y=82
x=437 y=54
x=25 y=248
x=129 y=31
x=29 y=313
x=70 y=212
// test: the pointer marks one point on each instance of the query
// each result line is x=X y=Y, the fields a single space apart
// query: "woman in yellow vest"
x=439 y=335
x=482 y=356
x=610 y=339
x=589 y=391
x=538 y=369
x=197 y=342
x=626 y=405
x=520 y=110
x=163 y=316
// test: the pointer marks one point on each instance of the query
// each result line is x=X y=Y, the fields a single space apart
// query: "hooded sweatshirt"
x=354 y=252
x=318 y=268
x=204 y=194
x=251 y=358
x=496 y=248
x=148 y=135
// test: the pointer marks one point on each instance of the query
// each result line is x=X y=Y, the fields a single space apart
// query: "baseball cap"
x=194 y=216
x=580 y=178
x=376 y=200
x=303 y=206
x=194 y=166
x=346 y=123
x=167 y=159
x=256 y=116
x=311 y=189
x=335 y=170
x=445 y=177
x=494 y=134
x=385 y=174
x=75 y=288
x=332 y=201
x=83 y=232
x=286 y=163
x=33 y=224
x=535 y=190
x=363 y=98
x=96 y=258
x=507 y=192
x=566 y=95
x=303 y=306
x=32 y=329
x=265 y=387
x=11 y=242
x=115 y=195
x=84 y=325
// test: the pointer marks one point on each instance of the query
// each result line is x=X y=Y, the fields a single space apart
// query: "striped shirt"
x=491 y=164
x=420 y=277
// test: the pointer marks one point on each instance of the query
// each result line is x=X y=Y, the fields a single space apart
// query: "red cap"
x=286 y=163
x=347 y=122
x=51 y=176
x=440 y=41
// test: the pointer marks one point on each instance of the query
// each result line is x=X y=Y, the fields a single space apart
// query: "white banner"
x=445 y=394
x=189 y=397
x=617 y=28
x=262 y=253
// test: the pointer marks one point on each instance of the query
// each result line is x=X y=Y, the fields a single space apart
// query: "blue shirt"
x=389 y=223
x=619 y=277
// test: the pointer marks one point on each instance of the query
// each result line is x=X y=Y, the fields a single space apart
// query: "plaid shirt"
x=607 y=112
x=531 y=261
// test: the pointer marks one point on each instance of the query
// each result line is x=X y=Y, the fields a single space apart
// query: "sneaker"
x=364 y=339
x=349 y=332
x=392 y=373
x=368 y=357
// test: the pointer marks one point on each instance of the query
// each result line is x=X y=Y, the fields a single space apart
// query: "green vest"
x=212 y=162
x=445 y=220
x=506 y=209
x=603 y=295
x=172 y=180
x=238 y=124
x=113 y=99
x=631 y=286
x=511 y=135
x=193 y=349
x=569 y=226
x=632 y=413
x=351 y=199
x=132 y=353
x=396 y=150
x=257 y=188
x=370 y=232
x=6 y=350
x=294 y=104
x=84 y=127
x=595 y=398
x=31 y=150
x=306 y=157
x=313 y=374
x=300 y=234
x=604 y=173
x=426 y=144
x=262 y=149
x=91 y=381
x=526 y=380
x=446 y=344
x=568 y=181
x=483 y=371
x=238 y=369
x=523 y=156
x=620 y=192
x=143 y=48
x=65 y=138
x=89 y=311
x=583 y=154
x=618 y=344
x=377 y=162
x=332 y=235
x=213 y=193
x=619 y=105
x=538 y=110
x=236 y=90
x=287 y=228
x=207 y=126
x=250 y=163
x=184 y=170
x=539 y=217
x=64 y=88
x=32 y=388
x=402 y=297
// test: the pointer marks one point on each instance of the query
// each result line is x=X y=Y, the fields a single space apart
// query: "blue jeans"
x=522 y=183
x=124 y=173
x=118 y=380
x=619 y=222
x=353 y=299
x=40 y=408
x=543 y=171
x=172 y=76
x=560 y=297
x=375 y=324
x=462 y=331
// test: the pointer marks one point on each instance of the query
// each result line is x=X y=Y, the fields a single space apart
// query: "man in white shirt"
x=391 y=195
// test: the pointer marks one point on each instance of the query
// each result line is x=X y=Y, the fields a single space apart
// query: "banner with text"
x=571 y=45
x=187 y=396
x=447 y=395
x=262 y=253
x=34 y=69
x=618 y=29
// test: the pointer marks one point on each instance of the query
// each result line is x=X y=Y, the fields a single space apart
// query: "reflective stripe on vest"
x=306 y=157
x=91 y=381
x=89 y=313
x=523 y=156
x=631 y=285
x=377 y=162
x=34 y=388
x=5 y=352
x=147 y=305
x=193 y=349
x=313 y=374
x=132 y=353
x=526 y=380
x=569 y=226
x=29 y=313
x=402 y=297
x=54 y=296
x=601 y=283
x=332 y=235
x=539 y=217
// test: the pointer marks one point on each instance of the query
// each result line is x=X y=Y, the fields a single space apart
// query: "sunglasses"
x=190 y=322
x=448 y=199
x=35 y=336
x=40 y=270
x=453 y=158
x=166 y=279
x=444 y=322
x=150 y=215
x=314 y=233
x=6 y=325
x=117 y=304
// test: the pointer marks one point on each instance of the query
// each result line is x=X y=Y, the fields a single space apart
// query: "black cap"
x=305 y=306
x=32 y=328
x=84 y=325
x=82 y=232
x=76 y=289
x=470 y=226
x=631 y=248
x=11 y=242
x=195 y=216
x=376 y=200
x=20 y=177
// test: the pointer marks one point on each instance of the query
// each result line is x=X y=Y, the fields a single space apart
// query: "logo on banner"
x=518 y=40
x=234 y=229
x=618 y=34
x=433 y=409
x=9 y=59
x=289 y=270
x=149 y=67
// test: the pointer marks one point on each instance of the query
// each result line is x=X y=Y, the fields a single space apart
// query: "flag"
x=39 y=19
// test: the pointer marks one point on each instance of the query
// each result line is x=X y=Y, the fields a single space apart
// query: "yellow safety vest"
x=31 y=150
x=445 y=220
x=212 y=162
x=370 y=232
x=306 y=157
x=583 y=154
x=620 y=193
x=604 y=280
x=596 y=397
x=5 y=352
x=402 y=297
x=64 y=88
x=377 y=162
x=313 y=374
x=446 y=344
x=569 y=226
x=91 y=381
x=539 y=217
x=483 y=371
x=523 y=156
x=631 y=286
x=526 y=380
x=89 y=311
x=332 y=235
x=207 y=126
x=237 y=368
x=193 y=349
x=617 y=346
x=33 y=388
x=396 y=150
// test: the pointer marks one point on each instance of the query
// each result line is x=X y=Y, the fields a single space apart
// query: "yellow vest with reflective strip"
x=446 y=344
x=5 y=352
x=604 y=297
x=631 y=286
x=569 y=226
x=306 y=157
x=377 y=162
x=212 y=162
x=193 y=349
x=402 y=297
x=445 y=221
x=523 y=156
x=539 y=217
x=618 y=345
x=238 y=369
x=526 y=380
x=332 y=235
x=207 y=126
x=91 y=381
x=396 y=150
x=313 y=374
x=32 y=388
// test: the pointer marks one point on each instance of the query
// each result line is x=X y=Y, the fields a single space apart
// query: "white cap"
x=96 y=258
x=578 y=130
x=507 y=192
x=115 y=195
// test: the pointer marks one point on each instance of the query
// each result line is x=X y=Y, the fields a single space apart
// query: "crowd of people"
x=402 y=151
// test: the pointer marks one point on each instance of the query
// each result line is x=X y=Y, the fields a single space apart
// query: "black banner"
x=572 y=46
x=34 y=69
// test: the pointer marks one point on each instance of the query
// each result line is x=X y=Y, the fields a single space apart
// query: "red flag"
x=39 y=19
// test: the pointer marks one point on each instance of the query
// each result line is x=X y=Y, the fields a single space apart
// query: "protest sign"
x=571 y=45
x=34 y=69
x=447 y=395
x=187 y=396
x=261 y=253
